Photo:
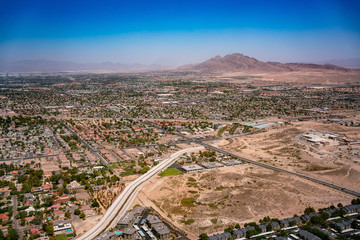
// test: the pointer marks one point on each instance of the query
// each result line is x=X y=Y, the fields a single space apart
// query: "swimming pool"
x=67 y=231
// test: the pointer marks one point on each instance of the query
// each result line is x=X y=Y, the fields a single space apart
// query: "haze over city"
x=179 y=32
x=180 y=120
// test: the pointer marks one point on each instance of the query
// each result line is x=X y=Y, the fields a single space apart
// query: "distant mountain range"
x=353 y=63
x=239 y=63
x=230 y=63
x=43 y=65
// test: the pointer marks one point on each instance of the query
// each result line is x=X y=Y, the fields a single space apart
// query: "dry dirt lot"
x=210 y=201
x=217 y=198
x=305 y=77
x=83 y=226
x=280 y=147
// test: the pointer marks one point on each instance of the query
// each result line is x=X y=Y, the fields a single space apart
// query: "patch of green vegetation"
x=214 y=220
x=128 y=172
x=192 y=182
x=188 y=202
x=170 y=172
x=221 y=131
x=219 y=188
x=189 y=221
x=114 y=165
x=61 y=237
x=193 y=192
x=190 y=179
x=233 y=128
x=213 y=205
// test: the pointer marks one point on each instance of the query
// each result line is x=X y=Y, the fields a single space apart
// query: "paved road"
x=125 y=199
x=15 y=221
x=91 y=149
x=26 y=158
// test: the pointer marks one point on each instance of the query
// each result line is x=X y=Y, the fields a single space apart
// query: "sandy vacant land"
x=306 y=77
x=83 y=226
x=214 y=199
x=211 y=200
x=280 y=147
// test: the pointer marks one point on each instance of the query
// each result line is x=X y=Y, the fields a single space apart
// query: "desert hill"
x=240 y=63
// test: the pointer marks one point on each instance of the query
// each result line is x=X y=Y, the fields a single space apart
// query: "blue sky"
x=176 y=32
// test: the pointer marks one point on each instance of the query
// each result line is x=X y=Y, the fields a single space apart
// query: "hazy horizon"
x=174 y=33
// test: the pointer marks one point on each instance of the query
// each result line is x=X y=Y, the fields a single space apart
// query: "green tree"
x=77 y=212
x=67 y=214
x=13 y=234
x=309 y=210
x=2 y=237
x=355 y=224
x=203 y=236
x=50 y=229
x=229 y=229
x=268 y=228
x=95 y=204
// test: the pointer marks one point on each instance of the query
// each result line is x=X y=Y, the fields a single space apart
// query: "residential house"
x=29 y=196
x=239 y=233
x=29 y=219
x=74 y=185
x=4 y=216
x=62 y=198
x=220 y=236
x=307 y=235
x=275 y=225
x=352 y=208
x=263 y=227
x=284 y=223
x=345 y=224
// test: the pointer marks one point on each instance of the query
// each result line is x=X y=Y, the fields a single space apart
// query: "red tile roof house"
x=62 y=198
x=46 y=187
x=4 y=216
x=35 y=231
x=47 y=174
x=28 y=219
x=59 y=213
x=56 y=206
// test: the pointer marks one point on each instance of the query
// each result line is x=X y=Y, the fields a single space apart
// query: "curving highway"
x=124 y=200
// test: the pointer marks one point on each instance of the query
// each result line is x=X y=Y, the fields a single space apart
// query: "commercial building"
x=126 y=220
x=193 y=168
x=161 y=231
x=231 y=162
x=129 y=233
x=211 y=165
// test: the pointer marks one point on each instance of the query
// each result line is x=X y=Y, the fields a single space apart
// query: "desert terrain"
x=210 y=201
x=308 y=77
x=281 y=147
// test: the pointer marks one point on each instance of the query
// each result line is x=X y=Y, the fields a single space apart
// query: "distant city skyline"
x=179 y=32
